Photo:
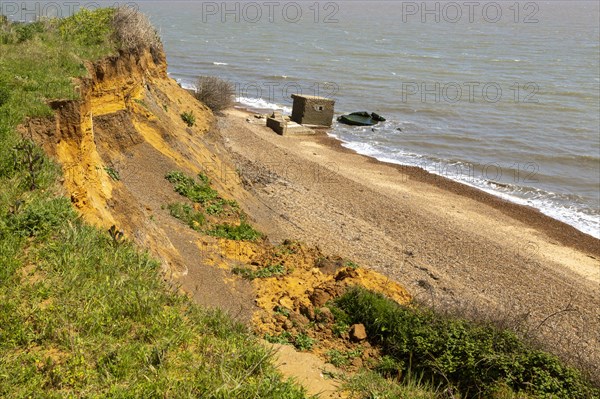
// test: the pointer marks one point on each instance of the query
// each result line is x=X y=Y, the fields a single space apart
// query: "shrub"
x=88 y=28
x=473 y=358
x=215 y=92
x=133 y=30
x=188 y=118
x=26 y=31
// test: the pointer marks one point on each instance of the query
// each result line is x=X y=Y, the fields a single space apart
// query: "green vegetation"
x=265 y=272
x=83 y=313
x=189 y=118
x=112 y=173
x=371 y=385
x=243 y=231
x=475 y=360
x=89 y=28
x=188 y=215
x=196 y=191
x=351 y=265
x=342 y=358
x=300 y=341
x=200 y=191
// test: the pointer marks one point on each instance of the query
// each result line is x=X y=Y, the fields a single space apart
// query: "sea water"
x=504 y=96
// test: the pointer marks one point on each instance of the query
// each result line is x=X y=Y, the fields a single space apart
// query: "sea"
x=503 y=96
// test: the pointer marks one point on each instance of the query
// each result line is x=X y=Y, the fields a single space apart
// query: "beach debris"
x=361 y=119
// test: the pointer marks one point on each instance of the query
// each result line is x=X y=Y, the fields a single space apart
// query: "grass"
x=184 y=212
x=473 y=359
x=188 y=118
x=371 y=385
x=300 y=341
x=242 y=231
x=84 y=313
x=342 y=358
x=200 y=192
x=112 y=173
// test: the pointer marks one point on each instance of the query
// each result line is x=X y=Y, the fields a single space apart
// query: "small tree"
x=215 y=92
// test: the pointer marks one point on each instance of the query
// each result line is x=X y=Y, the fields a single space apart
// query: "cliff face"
x=126 y=124
x=117 y=143
x=112 y=98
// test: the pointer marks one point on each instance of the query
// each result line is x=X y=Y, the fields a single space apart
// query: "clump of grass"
x=265 y=272
x=241 y=232
x=112 y=173
x=198 y=191
x=215 y=92
x=303 y=342
x=300 y=341
x=342 y=358
x=458 y=354
x=184 y=212
x=284 y=338
x=351 y=265
x=282 y=311
x=189 y=118
x=217 y=207
x=369 y=384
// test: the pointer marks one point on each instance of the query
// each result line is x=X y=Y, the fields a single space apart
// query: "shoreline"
x=450 y=245
x=563 y=232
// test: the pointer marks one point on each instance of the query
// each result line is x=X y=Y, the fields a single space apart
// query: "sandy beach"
x=453 y=246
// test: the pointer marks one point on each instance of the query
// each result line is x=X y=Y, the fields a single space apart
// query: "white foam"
x=220 y=63
x=259 y=103
x=541 y=200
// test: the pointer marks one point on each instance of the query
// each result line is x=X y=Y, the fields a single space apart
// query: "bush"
x=215 y=92
x=88 y=28
x=133 y=29
x=473 y=358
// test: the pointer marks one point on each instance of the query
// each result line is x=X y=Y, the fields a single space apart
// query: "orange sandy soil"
x=446 y=244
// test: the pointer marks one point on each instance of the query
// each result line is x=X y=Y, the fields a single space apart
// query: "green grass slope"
x=84 y=313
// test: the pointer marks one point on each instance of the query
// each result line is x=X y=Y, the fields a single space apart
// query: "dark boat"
x=361 y=119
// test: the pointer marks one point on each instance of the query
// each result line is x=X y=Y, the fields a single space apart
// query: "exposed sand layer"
x=452 y=246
